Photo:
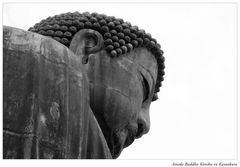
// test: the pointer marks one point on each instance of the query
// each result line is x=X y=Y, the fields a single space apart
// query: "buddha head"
x=124 y=66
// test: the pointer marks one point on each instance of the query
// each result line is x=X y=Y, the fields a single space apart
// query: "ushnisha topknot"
x=119 y=37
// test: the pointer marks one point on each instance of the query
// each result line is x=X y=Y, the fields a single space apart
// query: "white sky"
x=195 y=116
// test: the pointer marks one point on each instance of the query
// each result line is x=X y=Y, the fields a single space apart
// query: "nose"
x=143 y=123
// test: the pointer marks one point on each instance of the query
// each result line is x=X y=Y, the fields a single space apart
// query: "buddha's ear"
x=86 y=42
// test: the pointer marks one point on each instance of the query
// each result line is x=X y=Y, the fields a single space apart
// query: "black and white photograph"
x=154 y=81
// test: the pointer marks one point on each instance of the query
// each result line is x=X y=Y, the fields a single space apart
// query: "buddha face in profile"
x=124 y=66
x=121 y=90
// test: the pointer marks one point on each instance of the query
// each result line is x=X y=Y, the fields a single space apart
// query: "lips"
x=130 y=138
x=131 y=131
x=122 y=139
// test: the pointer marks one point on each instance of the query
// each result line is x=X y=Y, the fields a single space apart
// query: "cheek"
x=121 y=108
x=115 y=91
x=118 y=110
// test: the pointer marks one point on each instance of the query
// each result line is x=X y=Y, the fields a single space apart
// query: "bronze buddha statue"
x=83 y=89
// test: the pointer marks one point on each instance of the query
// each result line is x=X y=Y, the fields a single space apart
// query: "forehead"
x=122 y=73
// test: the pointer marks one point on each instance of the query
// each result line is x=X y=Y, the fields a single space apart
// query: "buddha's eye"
x=145 y=88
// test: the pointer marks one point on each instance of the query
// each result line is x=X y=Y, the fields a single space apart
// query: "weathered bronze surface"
x=121 y=89
x=87 y=99
x=46 y=111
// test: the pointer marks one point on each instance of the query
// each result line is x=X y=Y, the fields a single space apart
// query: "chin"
x=121 y=140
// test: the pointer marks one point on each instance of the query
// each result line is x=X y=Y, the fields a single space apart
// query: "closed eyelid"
x=146 y=87
x=148 y=75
